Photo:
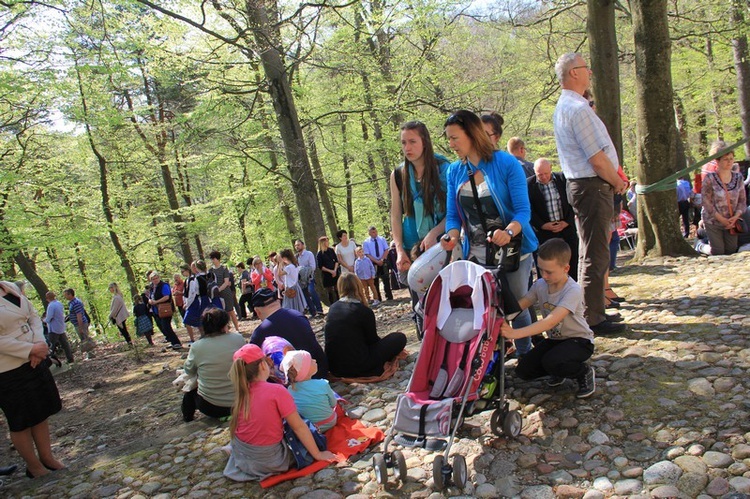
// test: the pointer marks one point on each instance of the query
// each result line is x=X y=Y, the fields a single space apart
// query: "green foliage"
x=160 y=92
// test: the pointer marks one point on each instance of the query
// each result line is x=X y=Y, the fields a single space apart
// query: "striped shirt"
x=552 y=200
x=580 y=134
x=75 y=307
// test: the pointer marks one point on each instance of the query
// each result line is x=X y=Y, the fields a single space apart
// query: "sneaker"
x=606 y=327
x=375 y=303
x=177 y=346
x=555 y=381
x=586 y=384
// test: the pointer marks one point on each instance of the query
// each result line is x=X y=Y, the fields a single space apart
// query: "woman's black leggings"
x=124 y=332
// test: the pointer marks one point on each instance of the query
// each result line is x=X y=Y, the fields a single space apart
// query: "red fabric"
x=622 y=175
x=347 y=438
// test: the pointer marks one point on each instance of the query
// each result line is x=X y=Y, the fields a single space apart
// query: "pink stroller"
x=462 y=322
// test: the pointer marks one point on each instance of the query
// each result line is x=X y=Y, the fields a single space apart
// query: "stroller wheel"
x=381 y=470
x=439 y=476
x=459 y=471
x=512 y=424
x=496 y=422
x=398 y=459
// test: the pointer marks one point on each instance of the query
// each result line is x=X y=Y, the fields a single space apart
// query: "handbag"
x=164 y=310
x=510 y=254
x=290 y=292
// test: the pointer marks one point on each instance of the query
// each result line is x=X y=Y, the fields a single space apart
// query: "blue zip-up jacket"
x=507 y=184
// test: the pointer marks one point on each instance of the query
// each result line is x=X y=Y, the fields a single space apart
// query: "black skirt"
x=28 y=396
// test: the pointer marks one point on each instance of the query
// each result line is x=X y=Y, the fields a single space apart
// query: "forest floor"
x=670 y=417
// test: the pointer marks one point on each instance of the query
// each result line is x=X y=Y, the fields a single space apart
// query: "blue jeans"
x=314 y=298
x=519 y=286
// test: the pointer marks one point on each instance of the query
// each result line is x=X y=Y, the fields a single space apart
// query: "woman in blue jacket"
x=503 y=194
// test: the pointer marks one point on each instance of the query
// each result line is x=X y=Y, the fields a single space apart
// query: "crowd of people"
x=497 y=208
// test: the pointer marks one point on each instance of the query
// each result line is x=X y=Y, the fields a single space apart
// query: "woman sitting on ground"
x=352 y=344
x=210 y=358
x=724 y=201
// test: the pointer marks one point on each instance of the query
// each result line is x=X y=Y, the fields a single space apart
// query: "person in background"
x=80 y=319
x=493 y=125
x=345 y=251
x=222 y=278
x=305 y=258
x=55 y=320
x=144 y=326
x=28 y=394
x=684 y=192
x=517 y=147
x=376 y=249
x=292 y=291
x=365 y=270
x=118 y=312
x=724 y=202
x=246 y=290
x=178 y=290
x=328 y=263
x=162 y=293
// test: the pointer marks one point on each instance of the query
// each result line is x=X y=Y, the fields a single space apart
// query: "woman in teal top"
x=417 y=195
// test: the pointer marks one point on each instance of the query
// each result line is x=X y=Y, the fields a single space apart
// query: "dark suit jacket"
x=539 y=213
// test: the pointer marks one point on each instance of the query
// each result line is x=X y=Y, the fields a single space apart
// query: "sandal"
x=611 y=295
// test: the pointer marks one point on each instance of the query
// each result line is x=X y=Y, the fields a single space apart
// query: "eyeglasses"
x=592 y=103
x=579 y=67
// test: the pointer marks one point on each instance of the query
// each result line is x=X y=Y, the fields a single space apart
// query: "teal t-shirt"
x=416 y=226
x=314 y=399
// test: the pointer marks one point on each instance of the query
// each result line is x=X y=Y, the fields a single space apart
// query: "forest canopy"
x=138 y=135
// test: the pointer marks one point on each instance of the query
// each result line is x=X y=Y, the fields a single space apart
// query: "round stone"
x=663 y=472
x=715 y=459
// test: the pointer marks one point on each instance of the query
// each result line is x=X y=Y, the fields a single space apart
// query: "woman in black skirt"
x=28 y=394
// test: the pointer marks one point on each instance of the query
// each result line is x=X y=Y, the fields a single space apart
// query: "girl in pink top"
x=258 y=446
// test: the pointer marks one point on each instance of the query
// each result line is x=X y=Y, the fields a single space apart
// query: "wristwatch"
x=510 y=233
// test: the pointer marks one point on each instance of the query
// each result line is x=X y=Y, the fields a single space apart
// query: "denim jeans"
x=314 y=298
x=519 y=286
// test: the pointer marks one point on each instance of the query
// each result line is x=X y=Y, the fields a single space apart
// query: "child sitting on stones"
x=570 y=342
x=259 y=449
x=314 y=398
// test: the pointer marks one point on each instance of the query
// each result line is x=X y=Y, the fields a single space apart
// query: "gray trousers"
x=592 y=202
x=62 y=340
x=721 y=241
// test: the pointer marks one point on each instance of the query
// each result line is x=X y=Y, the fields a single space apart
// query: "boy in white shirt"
x=570 y=341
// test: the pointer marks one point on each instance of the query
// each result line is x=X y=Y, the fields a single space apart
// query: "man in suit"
x=551 y=213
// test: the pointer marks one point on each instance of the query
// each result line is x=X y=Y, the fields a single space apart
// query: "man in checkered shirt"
x=589 y=161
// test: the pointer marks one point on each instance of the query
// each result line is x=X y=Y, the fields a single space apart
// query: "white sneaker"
x=375 y=303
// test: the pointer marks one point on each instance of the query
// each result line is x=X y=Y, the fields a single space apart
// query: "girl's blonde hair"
x=242 y=375
x=114 y=287
x=350 y=286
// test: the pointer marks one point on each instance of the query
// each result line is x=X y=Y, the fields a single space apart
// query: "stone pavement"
x=669 y=417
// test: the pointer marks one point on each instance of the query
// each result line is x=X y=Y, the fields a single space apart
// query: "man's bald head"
x=543 y=170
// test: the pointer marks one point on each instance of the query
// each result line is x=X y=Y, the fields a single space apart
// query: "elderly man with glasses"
x=589 y=161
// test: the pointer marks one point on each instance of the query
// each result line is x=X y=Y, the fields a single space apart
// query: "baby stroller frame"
x=434 y=406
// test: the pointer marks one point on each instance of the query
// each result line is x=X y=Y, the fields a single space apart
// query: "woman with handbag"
x=724 y=201
x=118 y=312
x=28 y=394
x=488 y=197
x=163 y=309
x=289 y=275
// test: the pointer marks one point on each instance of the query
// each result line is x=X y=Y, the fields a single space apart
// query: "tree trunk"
x=604 y=65
x=347 y=179
x=97 y=322
x=29 y=271
x=54 y=261
x=742 y=68
x=700 y=122
x=658 y=231
x=325 y=198
x=267 y=36
x=682 y=132
x=184 y=182
x=714 y=94
x=373 y=176
x=104 y=188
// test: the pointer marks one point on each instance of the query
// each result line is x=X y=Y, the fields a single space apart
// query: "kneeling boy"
x=569 y=342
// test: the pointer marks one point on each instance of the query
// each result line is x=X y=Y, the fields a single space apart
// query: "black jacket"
x=539 y=213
